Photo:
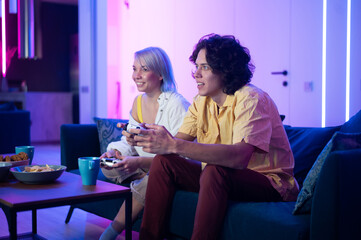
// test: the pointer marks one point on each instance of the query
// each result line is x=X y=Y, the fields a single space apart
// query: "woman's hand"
x=128 y=163
x=130 y=135
x=113 y=153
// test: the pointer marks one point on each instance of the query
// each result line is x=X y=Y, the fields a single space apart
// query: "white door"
x=264 y=28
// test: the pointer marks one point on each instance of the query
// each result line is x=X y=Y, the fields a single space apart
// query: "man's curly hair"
x=226 y=56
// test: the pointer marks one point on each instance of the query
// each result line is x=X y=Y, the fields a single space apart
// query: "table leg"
x=128 y=216
x=12 y=221
x=34 y=226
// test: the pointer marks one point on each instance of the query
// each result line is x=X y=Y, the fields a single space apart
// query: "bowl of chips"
x=37 y=174
x=4 y=170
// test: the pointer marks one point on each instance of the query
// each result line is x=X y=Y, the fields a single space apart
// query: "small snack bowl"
x=19 y=159
x=20 y=163
x=4 y=170
x=37 y=174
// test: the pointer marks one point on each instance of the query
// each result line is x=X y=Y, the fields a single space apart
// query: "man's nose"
x=197 y=73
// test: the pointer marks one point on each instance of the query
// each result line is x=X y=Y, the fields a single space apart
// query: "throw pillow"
x=108 y=131
x=353 y=125
x=339 y=141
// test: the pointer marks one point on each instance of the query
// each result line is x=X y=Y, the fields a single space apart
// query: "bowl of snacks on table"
x=19 y=159
x=37 y=174
x=4 y=170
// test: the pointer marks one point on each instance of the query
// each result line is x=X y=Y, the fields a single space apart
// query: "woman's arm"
x=145 y=162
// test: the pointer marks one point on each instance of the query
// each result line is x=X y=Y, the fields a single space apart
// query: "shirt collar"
x=227 y=103
x=163 y=97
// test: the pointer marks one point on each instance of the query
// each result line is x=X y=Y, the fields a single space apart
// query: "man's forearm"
x=233 y=156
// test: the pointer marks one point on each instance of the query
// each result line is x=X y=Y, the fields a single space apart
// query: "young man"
x=242 y=152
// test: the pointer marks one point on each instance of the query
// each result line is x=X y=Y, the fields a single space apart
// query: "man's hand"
x=155 y=139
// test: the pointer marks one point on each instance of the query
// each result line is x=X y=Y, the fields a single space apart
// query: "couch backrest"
x=78 y=140
x=353 y=125
x=307 y=143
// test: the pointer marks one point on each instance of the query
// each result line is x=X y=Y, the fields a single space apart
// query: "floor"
x=51 y=221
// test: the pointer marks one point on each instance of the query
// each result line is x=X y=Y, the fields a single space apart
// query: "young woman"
x=161 y=104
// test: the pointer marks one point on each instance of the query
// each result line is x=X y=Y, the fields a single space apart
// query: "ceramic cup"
x=89 y=169
x=26 y=149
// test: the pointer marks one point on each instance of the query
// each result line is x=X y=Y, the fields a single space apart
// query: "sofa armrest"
x=78 y=140
x=14 y=130
x=336 y=206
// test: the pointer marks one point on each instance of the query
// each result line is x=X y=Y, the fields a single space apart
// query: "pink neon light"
x=3 y=32
x=19 y=31
x=31 y=33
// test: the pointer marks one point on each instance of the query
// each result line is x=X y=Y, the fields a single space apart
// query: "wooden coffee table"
x=66 y=190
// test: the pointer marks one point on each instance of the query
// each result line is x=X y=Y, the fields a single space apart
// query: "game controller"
x=129 y=126
x=109 y=161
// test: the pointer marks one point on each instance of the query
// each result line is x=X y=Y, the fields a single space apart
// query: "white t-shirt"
x=171 y=111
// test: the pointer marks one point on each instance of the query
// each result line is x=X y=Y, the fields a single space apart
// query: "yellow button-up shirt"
x=252 y=116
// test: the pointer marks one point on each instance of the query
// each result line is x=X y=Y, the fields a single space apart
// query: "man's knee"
x=158 y=161
x=161 y=162
x=213 y=174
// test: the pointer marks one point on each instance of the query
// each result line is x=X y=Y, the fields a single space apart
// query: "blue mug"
x=89 y=169
x=26 y=149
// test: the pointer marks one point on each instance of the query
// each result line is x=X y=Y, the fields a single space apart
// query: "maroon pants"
x=215 y=184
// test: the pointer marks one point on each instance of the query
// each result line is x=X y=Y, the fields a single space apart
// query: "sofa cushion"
x=353 y=125
x=108 y=131
x=339 y=141
x=244 y=220
x=307 y=144
x=252 y=220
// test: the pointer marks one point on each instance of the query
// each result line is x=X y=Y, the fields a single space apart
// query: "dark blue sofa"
x=14 y=128
x=336 y=208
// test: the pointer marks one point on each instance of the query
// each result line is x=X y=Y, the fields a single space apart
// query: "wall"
x=176 y=26
x=52 y=71
x=113 y=59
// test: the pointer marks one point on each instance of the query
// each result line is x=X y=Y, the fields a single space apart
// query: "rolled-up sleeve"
x=189 y=125
x=252 y=123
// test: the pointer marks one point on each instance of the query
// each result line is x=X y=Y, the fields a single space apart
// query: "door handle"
x=284 y=73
